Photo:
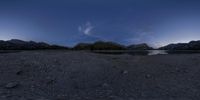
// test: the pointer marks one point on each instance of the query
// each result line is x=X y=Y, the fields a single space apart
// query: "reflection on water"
x=157 y=52
x=117 y=52
x=132 y=52
x=148 y=52
x=9 y=51
x=183 y=51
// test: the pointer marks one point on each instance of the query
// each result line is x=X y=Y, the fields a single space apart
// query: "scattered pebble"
x=105 y=85
x=11 y=85
x=147 y=76
x=5 y=95
x=125 y=72
x=115 y=58
x=61 y=97
x=42 y=99
x=19 y=72
x=50 y=80
x=22 y=98
x=1 y=92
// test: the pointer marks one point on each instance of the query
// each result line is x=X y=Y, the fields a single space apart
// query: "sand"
x=81 y=75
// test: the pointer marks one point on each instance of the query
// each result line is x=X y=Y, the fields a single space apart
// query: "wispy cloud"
x=86 y=28
x=142 y=35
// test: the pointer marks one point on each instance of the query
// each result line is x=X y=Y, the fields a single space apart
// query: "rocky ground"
x=79 y=75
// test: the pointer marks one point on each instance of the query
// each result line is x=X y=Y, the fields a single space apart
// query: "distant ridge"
x=142 y=46
x=15 y=44
x=101 y=45
x=192 y=45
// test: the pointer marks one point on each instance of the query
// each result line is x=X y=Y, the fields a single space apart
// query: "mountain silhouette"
x=192 y=45
x=15 y=44
x=142 y=46
x=101 y=45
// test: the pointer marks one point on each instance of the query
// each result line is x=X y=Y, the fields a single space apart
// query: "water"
x=157 y=52
x=132 y=52
x=148 y=52
x=9 y=51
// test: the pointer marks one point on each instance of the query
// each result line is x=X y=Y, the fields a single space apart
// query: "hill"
x=16 y=44
x=192 y=45
x=99 y=45
x=142 y=46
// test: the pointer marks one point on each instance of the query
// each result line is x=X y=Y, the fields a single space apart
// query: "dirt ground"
x=80 y=75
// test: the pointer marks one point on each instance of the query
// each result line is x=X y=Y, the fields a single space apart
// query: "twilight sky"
x=68 y=22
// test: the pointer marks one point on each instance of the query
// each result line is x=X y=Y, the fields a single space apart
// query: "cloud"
x=140 y=36
x=86 y=29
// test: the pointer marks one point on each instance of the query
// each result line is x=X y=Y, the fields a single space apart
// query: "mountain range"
x=101 y=45
x=192 y=45
x=16 y=44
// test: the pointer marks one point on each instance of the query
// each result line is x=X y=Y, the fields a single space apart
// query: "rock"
x=114 y=58
x=61 y=97
x=6 y=96
x=11 y=85
x=1 y=92
x=42 y=98
x=22 y=98
x=131 y=98
x=19 y=72
x=105 y=85
x=125 y=72
x=147 y=76
x=112 y=96
x=116 y=98
x=50 y=80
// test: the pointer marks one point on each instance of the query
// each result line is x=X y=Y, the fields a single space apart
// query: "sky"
x=68 y=22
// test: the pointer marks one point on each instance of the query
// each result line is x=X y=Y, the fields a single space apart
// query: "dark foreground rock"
x=11 y=85
x=76 y=75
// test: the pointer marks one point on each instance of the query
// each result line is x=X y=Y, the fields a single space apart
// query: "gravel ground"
x=79 y=75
